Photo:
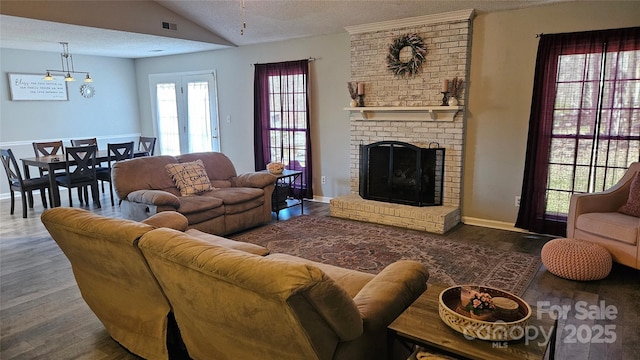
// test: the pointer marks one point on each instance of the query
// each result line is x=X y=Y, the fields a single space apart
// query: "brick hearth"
x=435 y=219
x=448 y=41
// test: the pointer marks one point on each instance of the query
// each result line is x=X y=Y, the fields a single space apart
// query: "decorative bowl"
x=275 y=167
x=456 y=317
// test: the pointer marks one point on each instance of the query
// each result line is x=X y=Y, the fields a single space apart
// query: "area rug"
x=370 y=247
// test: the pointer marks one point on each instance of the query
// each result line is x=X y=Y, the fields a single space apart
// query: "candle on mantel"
x=360 y=88
x=445 y=85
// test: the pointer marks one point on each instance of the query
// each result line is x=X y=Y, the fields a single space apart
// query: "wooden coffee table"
x=420 y=324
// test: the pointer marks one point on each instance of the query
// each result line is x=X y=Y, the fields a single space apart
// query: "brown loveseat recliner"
x=595 y=217
x=230 y=299
x=238 y=202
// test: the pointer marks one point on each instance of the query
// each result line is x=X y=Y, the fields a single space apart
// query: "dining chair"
x=25 y=186
x=48 y=148
x=81 y=172
x=84 y=142
x=147 y=144
x=117 y=152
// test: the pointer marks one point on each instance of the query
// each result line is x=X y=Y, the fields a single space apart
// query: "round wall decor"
x=87 y=91
x=410 y=66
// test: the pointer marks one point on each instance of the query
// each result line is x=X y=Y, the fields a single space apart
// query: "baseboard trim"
x=500 y=225
x=323 y=199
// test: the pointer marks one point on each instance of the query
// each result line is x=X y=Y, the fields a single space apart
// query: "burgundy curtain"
x=281 y=119
x=534 y=214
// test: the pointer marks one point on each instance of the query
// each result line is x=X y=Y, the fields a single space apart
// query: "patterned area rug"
x=370 y=247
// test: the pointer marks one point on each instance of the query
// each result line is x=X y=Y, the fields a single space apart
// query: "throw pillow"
x=190 y=177
x=632 y=207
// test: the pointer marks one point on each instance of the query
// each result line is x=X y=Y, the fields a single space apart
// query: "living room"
x=502 y=65
x=502 y=61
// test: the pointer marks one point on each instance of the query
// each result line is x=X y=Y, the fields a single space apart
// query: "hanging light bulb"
x=67 y=66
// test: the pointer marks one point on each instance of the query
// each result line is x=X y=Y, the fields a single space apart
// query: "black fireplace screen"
x=398 y=172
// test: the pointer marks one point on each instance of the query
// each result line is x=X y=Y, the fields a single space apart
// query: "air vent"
x=169 y=26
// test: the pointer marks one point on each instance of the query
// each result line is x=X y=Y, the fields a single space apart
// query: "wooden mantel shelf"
x=405 y=113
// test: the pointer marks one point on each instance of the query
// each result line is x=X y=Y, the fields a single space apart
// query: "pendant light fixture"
x=244 y=19
x=67 y=67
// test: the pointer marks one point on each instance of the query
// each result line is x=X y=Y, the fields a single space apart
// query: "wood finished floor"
x=42 y=315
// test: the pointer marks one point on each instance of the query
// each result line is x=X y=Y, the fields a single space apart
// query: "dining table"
x=51 y=163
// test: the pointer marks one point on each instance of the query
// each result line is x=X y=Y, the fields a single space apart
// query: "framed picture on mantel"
x=33 y=87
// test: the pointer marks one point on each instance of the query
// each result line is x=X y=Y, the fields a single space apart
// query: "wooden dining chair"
x=81 y=172
x=117 y=152
x=48 y=148
x=147 y=144
x=25 y=186
x=84 y=142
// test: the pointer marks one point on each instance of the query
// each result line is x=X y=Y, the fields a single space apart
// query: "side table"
x=420 y=324
x=281 y=198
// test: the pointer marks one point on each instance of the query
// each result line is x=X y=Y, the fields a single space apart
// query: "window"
x=585 y=122
x=594 y=125
x=282 y=119
x=185 y=112
x=288 y=120
x=168 y=127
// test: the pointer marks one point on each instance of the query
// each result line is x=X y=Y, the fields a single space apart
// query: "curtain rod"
x=309 y=58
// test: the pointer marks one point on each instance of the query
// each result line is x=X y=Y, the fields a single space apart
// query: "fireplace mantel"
x=405 y=113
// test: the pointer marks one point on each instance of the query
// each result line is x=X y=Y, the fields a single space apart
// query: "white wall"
x=329 y=95
x=111 y=115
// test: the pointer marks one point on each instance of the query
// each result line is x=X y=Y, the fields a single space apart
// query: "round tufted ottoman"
x=576 y=259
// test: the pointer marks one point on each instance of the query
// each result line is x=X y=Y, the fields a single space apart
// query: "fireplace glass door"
x=398 y=172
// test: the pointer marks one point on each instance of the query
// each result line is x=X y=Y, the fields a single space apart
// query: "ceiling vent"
x=169 y=26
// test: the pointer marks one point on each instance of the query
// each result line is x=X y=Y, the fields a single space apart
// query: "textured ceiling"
x=266 y=21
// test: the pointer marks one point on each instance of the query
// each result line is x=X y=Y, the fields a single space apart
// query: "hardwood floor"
x=42 y=315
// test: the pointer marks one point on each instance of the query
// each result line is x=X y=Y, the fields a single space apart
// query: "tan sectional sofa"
x=595 y=217
x=230 y=300
x=237 y=202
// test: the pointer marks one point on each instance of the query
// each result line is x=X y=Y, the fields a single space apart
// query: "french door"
x=185 y=110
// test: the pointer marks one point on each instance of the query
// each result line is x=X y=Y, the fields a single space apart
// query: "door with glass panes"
x=185 y=110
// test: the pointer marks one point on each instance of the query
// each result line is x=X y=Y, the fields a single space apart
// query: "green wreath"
x=418 y=50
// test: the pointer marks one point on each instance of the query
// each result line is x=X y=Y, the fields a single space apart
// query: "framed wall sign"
x=34 y=87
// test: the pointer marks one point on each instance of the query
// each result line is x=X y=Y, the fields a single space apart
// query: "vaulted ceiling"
x=146 y=28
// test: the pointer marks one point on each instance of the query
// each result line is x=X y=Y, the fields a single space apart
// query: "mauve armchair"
x=595 y=217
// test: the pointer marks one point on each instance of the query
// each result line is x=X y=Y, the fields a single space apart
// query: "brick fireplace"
x=408 y=109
